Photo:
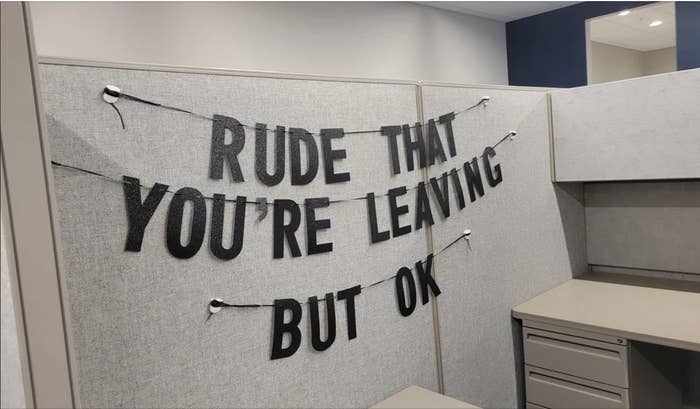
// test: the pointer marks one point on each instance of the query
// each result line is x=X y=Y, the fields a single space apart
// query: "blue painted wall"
x=688 y=35
x=549 y=49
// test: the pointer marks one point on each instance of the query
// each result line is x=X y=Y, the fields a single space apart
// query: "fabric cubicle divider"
x=528 y=236
x=635 y=142
x=650 y=227
x=138 y=320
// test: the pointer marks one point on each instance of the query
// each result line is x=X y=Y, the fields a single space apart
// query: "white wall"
x=610 y=63
x=378 y=40
x=659 y=61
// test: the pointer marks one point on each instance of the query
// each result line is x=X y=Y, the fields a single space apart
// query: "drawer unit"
x=576 y=355
x=555 y=390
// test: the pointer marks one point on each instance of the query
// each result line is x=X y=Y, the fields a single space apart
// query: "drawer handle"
x=569 y=346
x=577 y=387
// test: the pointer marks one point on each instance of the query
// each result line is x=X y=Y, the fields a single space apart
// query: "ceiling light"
x=656 y=23
x=623 y=13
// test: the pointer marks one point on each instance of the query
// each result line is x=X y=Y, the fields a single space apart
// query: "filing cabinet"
x=558 y=390
x=565 y=368
x=571 y=368
x=587 y=358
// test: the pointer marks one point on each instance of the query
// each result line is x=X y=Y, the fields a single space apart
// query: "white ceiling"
x=632 y=31
x=503 y=11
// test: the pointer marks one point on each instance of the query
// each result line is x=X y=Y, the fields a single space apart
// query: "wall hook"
x=467 y=233
x=111 y=94
x=215 y=305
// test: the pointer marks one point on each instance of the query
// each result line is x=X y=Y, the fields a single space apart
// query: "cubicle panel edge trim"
x=431 y=248
x=484 y=86
x=622 y=80
x=661 y=179
x=214 y=71
x=31 y=216
x=269 y=74
x=15 y=291
x=550 y=139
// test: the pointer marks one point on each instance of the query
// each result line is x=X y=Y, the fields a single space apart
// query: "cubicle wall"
x=527 y=237
x=636 y=145
x=138 y=321
x=636 y=129
x=644 y=228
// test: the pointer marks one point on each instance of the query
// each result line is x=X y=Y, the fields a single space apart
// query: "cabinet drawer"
x=582 y=357
x=555 y=390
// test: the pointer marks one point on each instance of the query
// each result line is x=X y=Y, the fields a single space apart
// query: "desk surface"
x=653 y=315
x=417 y=397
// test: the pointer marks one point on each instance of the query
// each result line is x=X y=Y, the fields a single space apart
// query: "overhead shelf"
x=638 y=129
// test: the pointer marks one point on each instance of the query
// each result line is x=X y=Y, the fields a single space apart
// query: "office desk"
x=606 y=341
x=653 y=315
x=415 y=397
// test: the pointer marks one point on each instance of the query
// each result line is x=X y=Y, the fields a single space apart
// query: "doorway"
x=631 y=43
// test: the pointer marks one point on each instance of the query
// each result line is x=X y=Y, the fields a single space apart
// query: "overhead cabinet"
x=636 y=129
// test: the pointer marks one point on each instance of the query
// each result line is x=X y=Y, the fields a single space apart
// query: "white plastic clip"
x=513 y=134
x=466 y=235
x=215 y=305
x=486 y=100
x=111 y=99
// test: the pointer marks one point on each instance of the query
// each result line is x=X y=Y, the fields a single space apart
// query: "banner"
x=421 y=145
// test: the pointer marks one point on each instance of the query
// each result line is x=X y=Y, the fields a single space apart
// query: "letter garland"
x=140 y=212
x=263 y=201
x=111 y=95
x=216 y=304
x=406 y=305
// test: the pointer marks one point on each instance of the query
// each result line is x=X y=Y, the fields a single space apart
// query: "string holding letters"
x=416 y=146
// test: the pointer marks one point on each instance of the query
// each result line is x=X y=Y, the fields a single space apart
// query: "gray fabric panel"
x=138 y=319
x=644 y=225
x=527 y=237
x=636 y=129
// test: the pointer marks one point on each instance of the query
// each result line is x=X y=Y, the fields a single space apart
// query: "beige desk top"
x=653 y=315
x=415 y=397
